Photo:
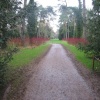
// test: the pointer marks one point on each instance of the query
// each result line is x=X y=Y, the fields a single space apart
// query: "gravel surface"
x=56 y=78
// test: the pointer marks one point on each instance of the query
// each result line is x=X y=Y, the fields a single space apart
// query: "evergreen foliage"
x=62 y=32
x=94 y=29
x=73 y=17
x=32 y=18
x=8 y=18
x=79 y=22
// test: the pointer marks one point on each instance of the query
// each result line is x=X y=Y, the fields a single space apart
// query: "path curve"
x=56 y=78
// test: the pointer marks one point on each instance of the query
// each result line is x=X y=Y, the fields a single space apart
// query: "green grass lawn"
x=26 y=55
x=80 y=55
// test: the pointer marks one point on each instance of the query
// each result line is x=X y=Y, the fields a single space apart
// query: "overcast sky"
x=69 y=2
x=56 y=2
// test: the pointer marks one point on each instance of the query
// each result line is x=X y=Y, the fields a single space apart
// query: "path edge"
x=26 y=74
x=92 y=79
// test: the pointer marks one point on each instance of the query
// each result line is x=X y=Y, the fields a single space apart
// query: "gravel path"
x=56 y=78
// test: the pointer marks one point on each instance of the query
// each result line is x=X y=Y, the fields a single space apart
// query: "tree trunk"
x=66 y=24
x=23 y=26
x=66 y=3
x=68 y=29
x=74 y=24
x=84 y=19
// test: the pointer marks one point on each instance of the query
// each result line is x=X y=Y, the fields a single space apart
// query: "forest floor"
x=57 y=76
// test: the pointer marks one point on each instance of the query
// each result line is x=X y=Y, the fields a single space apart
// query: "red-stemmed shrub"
x=34 y=41
x=76 y=41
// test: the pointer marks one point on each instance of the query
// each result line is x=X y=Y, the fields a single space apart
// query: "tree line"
x=73 y=19
x=79 y=22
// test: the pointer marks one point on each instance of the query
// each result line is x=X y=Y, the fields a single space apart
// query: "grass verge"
x=26 y=55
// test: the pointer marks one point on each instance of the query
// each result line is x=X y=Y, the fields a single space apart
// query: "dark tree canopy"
x=94 y=29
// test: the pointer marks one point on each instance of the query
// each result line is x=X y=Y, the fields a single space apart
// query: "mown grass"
x=26 y=55
x=80 y=55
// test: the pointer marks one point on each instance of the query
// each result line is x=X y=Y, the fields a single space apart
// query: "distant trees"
x=62 y=31
x=74 y=17
x=44 y=30
x=66 y=19
x=78 y=21
x=44 y=15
